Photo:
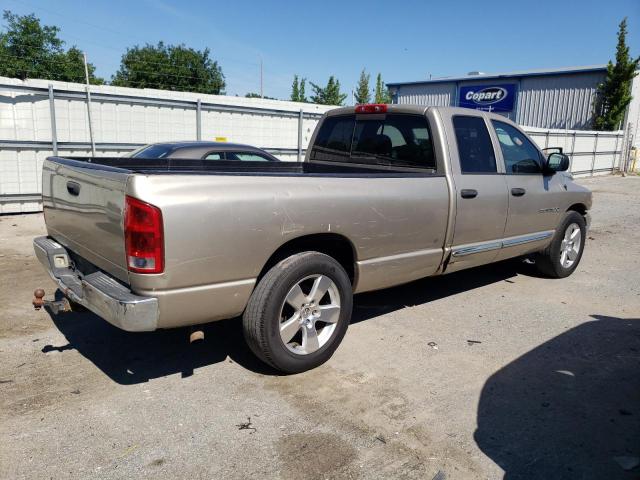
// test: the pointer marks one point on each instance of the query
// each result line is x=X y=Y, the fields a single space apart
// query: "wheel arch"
x=335 y=245
x=581 y=208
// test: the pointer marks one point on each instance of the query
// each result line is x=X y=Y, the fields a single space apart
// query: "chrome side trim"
x=510 y=242
x=462 y=251
x=482 y=247
x=401 y=256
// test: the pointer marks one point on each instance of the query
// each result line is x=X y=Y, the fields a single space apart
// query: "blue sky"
x=404 y=40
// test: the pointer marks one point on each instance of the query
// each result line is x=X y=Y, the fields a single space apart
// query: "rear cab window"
x=392 y=139
x=333 y=142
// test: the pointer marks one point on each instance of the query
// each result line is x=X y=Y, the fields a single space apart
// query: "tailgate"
x=83 y=208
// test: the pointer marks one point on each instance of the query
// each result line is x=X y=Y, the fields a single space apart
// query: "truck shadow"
x=136 y=357
x=130 y=358
x=373 y=304
x=567 y=408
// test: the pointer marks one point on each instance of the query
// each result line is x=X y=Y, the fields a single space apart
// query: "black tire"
x=261 y=319
x=548 y=262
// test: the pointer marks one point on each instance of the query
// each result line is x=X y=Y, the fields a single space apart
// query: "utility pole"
x=86 y=75
x=261 y=90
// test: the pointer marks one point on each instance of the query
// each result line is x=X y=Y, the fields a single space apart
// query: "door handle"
x=518 y=192
x=73 y=188
x=468 y=193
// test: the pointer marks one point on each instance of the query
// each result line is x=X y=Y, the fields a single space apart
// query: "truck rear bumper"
x=98 y=292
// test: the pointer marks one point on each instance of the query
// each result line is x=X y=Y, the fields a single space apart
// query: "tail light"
x=372 y=108
x=143 y=237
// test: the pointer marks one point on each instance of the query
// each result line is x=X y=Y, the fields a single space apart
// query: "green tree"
x=362 y=90
x=257 y=95
x=295 y=89
x=614 y=94
x=302 y=96
x=382 y=92
x=29 y=49
x=170 y=67
x=329 y=95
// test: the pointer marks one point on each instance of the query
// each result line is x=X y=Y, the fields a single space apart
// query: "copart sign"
x=492 y=98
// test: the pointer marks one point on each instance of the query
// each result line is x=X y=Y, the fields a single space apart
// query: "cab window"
x=333 y=140
x=214 y=156
x=400 y=140
x=474 y=145
x=519 y=153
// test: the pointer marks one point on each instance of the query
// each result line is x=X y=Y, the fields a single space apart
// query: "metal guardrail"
x=20 y=197
x=104 y=146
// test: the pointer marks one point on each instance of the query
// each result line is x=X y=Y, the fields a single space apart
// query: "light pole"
x=261 y=77
x=86 y=76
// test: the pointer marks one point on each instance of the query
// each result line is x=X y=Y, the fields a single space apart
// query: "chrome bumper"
x=97 y=291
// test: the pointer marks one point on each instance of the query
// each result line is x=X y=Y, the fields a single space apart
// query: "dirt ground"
x=484 y=374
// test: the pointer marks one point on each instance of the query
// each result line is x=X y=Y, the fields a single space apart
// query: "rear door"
x=480 y=191
x=534 y=198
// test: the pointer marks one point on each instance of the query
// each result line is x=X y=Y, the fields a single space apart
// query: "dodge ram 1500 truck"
x=387 y=194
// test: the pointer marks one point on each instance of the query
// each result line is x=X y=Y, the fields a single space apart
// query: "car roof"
x=205 y=144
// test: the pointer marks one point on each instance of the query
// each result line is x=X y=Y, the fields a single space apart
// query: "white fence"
x=591 y=152
x=39 y=118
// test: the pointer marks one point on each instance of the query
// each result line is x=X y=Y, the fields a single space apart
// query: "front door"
x=480 y=193
x=534 y=198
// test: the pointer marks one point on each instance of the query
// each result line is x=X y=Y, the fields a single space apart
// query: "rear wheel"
x=563 y=255
x=299 y=312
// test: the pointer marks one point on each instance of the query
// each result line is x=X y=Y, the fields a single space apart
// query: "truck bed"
x=219 y=167
x=222 y=221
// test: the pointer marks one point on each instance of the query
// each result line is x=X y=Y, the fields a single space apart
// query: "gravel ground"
x=483 y=374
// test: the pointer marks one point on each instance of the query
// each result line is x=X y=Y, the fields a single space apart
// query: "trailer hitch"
x=55 y=306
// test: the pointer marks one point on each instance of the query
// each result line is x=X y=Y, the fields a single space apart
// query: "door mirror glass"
x=557 y=162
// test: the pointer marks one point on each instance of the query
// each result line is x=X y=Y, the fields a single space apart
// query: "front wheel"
x=563 y=255
x=299 y=312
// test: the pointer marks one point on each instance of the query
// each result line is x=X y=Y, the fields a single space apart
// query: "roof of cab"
x=391 y=108
x=420 y=110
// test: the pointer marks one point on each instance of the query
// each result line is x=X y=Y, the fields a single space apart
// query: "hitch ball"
x=38 y=298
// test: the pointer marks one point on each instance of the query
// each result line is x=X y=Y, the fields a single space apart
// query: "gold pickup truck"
x=387 y=194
